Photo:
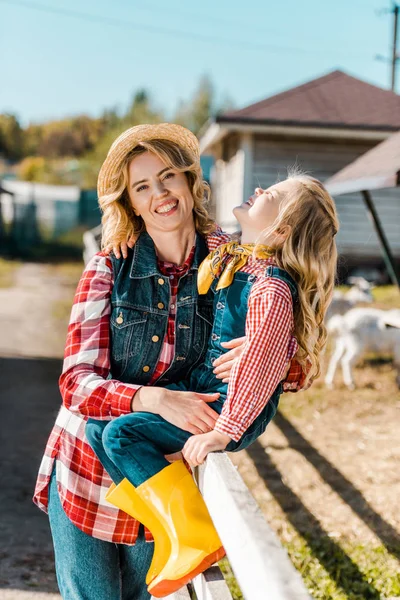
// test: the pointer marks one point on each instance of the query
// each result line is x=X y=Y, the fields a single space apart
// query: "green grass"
x=230 y=579
x=7 y=271
x=387 y=296
x=352 y=572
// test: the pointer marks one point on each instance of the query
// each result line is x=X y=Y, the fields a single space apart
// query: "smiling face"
x=159 y=194
x=261 y=210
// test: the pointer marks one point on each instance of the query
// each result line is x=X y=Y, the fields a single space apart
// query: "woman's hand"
x=186 y=410
x=122 y=248
x=198 y=446
x=223 y=364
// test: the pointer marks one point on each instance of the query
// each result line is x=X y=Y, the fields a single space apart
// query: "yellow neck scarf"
x=211 y=265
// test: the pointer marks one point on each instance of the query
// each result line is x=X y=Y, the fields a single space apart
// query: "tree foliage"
x=72 y=150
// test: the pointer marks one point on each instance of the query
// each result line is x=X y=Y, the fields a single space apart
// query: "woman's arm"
x=256 y=374
x=85 y=383
x=85 y=386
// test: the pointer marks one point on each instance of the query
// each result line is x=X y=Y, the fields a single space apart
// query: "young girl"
x=274 y=287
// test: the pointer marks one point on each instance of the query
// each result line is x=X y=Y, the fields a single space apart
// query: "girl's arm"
x=216 y=238
x=84 y=384
x=261 y=366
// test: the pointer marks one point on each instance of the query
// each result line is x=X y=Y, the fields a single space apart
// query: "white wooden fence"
x=261 y=565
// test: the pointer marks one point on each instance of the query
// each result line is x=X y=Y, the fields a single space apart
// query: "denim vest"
x=140 y=303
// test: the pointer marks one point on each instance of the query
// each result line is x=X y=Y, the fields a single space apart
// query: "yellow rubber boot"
x=195 y=545
x=125 y=497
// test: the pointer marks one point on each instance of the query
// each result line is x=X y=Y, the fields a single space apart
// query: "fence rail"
x=261 y=565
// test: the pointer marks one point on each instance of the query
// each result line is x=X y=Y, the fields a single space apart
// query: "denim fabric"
x=133 y=446
x=92 y=569
x=140 y=303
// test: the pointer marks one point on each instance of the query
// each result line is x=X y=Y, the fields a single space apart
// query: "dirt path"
x=27 y=324
x=31 y=346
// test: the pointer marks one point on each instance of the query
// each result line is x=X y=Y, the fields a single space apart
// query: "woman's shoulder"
x=217 y=237
x=99 y=263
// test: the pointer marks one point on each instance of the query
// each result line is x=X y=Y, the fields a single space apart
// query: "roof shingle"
x=334 y=99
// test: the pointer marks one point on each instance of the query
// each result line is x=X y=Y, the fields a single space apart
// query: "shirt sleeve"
x=256 y=374
x=216 y=238
x=85 y=383
x=295 y=380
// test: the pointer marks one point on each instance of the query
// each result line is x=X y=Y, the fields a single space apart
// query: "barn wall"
x=227 y=183
x=323 y=159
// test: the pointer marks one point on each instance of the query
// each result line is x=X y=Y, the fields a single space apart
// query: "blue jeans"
x=91 y=569
x=134 y=445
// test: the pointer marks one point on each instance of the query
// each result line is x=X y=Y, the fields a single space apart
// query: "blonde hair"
x=309 y=255
x=119 y=222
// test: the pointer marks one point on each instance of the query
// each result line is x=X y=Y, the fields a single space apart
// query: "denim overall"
x=134 y=445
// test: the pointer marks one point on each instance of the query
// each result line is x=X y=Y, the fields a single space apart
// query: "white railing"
x=261 y=565
x=91 y=243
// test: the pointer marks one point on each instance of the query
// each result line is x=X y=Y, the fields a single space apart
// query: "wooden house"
x=320 y=126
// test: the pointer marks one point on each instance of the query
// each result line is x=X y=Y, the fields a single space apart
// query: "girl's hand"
x=174 y=457
x=198 y=446
x=186 y=410
x=122 y=248
x=224 y=363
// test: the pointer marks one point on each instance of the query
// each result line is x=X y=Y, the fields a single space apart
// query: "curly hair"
x=119 y=222
x=308 y=253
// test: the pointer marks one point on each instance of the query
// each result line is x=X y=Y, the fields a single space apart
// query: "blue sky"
x=54 y=65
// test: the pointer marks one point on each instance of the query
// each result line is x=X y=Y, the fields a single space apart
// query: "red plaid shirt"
x=86 y=392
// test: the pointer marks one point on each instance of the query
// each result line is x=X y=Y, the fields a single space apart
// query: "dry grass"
x=7 y=271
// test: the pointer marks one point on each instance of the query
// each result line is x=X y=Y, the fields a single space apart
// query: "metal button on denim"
x=146 y=368
x=155 y=338
x=160 y=305
x=161 y=281
x=120 y=319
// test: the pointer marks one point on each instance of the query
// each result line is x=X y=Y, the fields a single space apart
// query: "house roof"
x=336 y=99
x=376 y=169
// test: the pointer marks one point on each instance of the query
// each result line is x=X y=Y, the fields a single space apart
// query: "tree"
x=141 y=111
x=11 y=137
x=195 y=112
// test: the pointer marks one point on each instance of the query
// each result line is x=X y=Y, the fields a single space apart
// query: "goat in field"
x=360 y=292
x=363 y=330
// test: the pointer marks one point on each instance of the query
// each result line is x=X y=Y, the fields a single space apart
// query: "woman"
x=135 y=322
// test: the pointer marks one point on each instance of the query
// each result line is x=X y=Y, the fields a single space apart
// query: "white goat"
x=344 y=301
x=359 y=331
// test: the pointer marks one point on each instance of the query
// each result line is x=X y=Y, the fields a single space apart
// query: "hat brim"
x=130 y=138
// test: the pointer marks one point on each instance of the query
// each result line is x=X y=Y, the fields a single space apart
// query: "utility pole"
x=394 y=52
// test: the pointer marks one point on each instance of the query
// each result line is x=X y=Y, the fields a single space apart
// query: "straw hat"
x=143 y=133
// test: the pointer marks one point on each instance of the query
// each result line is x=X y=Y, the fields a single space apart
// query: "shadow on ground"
x=30 y=401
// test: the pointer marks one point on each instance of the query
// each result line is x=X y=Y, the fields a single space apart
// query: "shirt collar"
x=145 y=262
